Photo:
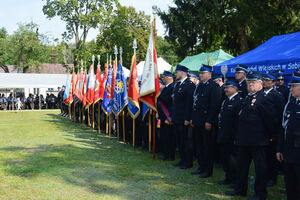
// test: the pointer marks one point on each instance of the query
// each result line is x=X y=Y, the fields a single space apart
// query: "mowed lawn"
x=46 y=156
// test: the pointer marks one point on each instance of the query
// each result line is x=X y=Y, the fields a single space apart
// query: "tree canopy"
x=235 y=26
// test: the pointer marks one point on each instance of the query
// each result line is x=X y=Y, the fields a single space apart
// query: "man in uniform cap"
x=165 y=106
x=181 y=113
x=289 y=144
x=240 y=76
x=207 y=97
x=195 y=79
x=280 y=86
x=228 y=118
x=252 y=139
x=278 y=103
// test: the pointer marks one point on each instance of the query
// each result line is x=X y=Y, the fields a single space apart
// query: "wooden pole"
x=70 y=113
x=154 y=135
x=99 y=130
x=118 y=127
x=93 y=116
x=149 y=131
x=123 y=115
x=88 y=111
x=133 y=133
x=74 y=109
x=106 y=125
x=109 y=124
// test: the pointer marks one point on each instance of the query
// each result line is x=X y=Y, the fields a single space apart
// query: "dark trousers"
x=244 y=157
x=272 y=162
x=292 y=181
x=169 y=140
x=228 y=158
x=204 y=149
x=182 y=133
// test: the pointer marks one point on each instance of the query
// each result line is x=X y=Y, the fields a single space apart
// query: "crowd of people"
x=15 y=102
x=251 y=117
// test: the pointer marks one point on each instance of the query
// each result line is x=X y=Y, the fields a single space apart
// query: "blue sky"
x=13 y=12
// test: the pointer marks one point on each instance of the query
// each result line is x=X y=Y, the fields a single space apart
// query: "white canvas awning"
x=162 y=65
x=23 y=80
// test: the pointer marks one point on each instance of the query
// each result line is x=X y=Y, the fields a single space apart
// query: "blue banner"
x=68 y=85
x=145 y=110
x=107 y=101
x=119 y=100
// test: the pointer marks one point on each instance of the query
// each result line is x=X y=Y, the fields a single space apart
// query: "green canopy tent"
x=210 y=58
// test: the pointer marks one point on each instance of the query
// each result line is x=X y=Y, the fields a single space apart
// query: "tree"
x=26 y=47
x=5 y=54
x=80 y=16
x=126 y=24
x=166 y=50
x=235 y=26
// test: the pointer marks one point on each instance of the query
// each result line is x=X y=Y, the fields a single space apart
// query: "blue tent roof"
x=278 y=53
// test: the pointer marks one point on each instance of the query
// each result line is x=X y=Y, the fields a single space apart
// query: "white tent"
x=23 y=80
x=162 y=65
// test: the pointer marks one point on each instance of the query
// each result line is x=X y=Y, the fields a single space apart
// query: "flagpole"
x=123 y=115
x=154 y=134
x=109 y=115
x=154 y=8
x=133 y=134
x=99 y=130
x=149 y=130
x=93 y=108
x=117 y=116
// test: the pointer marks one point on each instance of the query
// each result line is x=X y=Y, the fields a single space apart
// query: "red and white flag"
x=150 y=88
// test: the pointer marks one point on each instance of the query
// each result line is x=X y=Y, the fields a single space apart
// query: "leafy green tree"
x=233 y=25
x=166 y=51
x=80 y=16
x=126 y=24
x=5 y=50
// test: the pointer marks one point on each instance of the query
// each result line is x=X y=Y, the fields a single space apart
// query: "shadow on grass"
x=104 y=166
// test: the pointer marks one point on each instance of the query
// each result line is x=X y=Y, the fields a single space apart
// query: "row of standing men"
x=240 y=119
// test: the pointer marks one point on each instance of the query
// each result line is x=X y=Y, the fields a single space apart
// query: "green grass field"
x=45 y=156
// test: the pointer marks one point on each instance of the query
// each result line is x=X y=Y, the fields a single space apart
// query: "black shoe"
x=178 y=164
x=224 y=182
x=255 y=197
x=186 y=166
x=169 y=159
x=235 y=193
x=271 y=183
x=205 y=175
x=198 y=171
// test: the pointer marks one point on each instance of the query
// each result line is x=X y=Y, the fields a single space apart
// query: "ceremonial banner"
x=91 y=86
x=98 y=85
x=133 y=90
x=107 y=99
x=79 y=86
x=150 y=88
x=67 y=90
x=84 y=90
x=119 y=100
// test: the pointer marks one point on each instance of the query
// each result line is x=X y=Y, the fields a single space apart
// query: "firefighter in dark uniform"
x=228 y=118
x=181 y=114
x=278 y=102
x=289 y=144
x=206 y=104
x=165 y=106
x=240 y=76
x=281 y=87
x=255 y=122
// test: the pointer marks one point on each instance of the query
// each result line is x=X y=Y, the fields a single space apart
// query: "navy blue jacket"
x=206 y=103
x=165 y=98
x=256 y=120
x=182 y=101
x=228 y=119
x=289 y=142
x=243 y=89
